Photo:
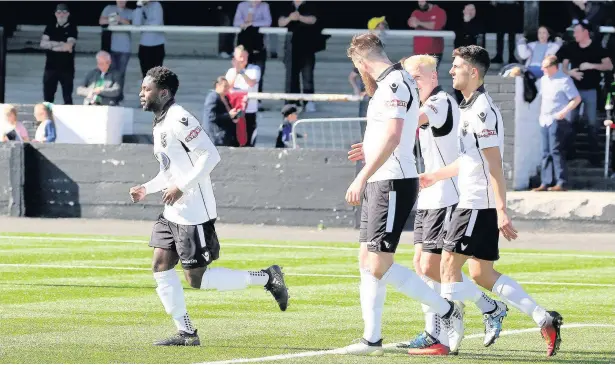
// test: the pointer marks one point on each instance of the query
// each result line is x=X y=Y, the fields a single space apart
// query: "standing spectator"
x=225 y=40
x=559 y=97
x=471 y=31
x=507 y=17
x=101 y=86
x=120 y=41
x=535 y=52
x=219 y=118
x=610 y=103
x=243 y=76
x=10 y=128
x=358 y=88
x=428 y=17
x=46 y=131
x=593 y=12
x=379 y=26
x=59 y=42
x=151 y=45
x=300 y=48
x=250 y=16
x=584 y=60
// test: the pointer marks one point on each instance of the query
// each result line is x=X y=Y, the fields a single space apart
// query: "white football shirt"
x=253 y=72
x=178 y=136
x=438 y=139
x=480 y=127
x=396 y=97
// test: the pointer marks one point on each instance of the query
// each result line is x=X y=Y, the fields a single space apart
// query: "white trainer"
x=361 y=348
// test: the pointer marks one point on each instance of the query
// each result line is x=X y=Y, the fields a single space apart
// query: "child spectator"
x=285 y=139
x=10 y=128
x=46 y=131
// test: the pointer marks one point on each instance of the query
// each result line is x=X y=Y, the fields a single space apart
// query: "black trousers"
x=251 y=129
x=300 y=65
x=150 y=57
x=50 y=85
x=259 y=58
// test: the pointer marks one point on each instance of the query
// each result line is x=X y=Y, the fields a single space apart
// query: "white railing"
x=335 y=133
x=607 y=152
x=305 y=97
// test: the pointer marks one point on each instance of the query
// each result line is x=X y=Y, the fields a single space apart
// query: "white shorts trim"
x=471 y=223
x=391 y=211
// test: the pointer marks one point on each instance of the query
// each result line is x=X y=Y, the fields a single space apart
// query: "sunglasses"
x=61 y=11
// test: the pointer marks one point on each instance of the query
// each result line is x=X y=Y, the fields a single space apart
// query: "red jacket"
x=429 y=45
x=238 y=99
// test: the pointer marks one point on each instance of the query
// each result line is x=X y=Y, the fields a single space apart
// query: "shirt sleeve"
x=157 y=15
x=50 y=132
x=484 y=127
x=73 y=32
x=230 y=74
x=436 y=109
x=254 y=73
x=440 y=19
x=47 y=30
x=570 y=90
x=189 y=132
x=395 y=100
x=107 y=10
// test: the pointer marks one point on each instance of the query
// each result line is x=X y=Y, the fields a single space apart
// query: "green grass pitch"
x=80 y=299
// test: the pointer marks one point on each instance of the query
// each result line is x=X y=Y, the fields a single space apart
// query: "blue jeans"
x=554 y=169
x=536 y=71
x=589 y=99
x=119 y=61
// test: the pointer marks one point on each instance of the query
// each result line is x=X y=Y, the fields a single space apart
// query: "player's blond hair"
x=429 y=63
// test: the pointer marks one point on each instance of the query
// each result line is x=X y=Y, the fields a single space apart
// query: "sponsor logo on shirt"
x=395 y=103
x=188 y=262
x=193 y=134
x=487 y=133
x=433 y=108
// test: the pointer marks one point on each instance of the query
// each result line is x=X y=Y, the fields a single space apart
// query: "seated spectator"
x=285 y=139
x=428 y=17
x=10 y=128
x=102 y=85
x=243 y=76
x=559 y=97
x=535 y=52
x=471 y=31
x=219 y=118
x=46 y=131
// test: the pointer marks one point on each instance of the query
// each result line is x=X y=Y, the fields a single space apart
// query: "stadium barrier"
x=333 y=133
x=253 y=186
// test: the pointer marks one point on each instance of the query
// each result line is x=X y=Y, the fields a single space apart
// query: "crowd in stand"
x=573 y=77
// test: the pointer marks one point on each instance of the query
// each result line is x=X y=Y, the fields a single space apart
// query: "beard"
x=424 y=7
x=370 y=84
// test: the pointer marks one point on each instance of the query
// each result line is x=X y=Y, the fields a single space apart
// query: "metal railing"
x=327 y=133
x=607 y=152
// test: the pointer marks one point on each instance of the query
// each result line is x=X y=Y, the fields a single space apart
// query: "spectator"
x=428 y=17
x=120 y=41
x=535 y=52
x=508 y=15
x=250 y=16
x=471 y=31
x=219 y=118
x=46 y=131
x=610 y=103
x=10 y=128
x=285 y=139
x=379 y=26
x=593 y=12
x=225 y=40
x=59 y=42
x=244 y=76
x=151 y=45
x=300 y=48
x=559 y=97
x=584 y=60
x=101 y=86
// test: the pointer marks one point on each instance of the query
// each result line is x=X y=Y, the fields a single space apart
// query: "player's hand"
x=171 y=195
x=426 y=180
x=576 y=74
x=355 y=191
x=505 y=226
x=586 y=66
x=356 y=152
x=608 y=123
x=137 y=193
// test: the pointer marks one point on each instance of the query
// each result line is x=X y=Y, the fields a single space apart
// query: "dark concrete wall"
x=11 y=179
x=252 y=186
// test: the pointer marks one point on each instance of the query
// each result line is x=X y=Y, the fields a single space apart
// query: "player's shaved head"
x=158 y=87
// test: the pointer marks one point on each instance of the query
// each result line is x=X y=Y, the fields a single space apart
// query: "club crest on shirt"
x=184 y=121
x=394 y=87
x=482 y=116
x=163 y=139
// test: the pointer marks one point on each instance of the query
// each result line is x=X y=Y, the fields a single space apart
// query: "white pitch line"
x=340 y=276
x=307 y=247
x=388 y=346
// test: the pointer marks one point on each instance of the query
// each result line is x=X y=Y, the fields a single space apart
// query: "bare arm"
x=307 y=19
x=566 y=66
x=572 y=104
x=389 y=142
x=493 y=157
x=447 y=172
x=352 y=79
x=103 y=20
x=283 y=21
x=604 y=65
x=423 y=118
x=156 y=184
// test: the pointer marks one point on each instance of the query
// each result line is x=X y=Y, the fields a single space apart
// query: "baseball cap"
x=62 y=7
x=288 y=110
x=374 y=22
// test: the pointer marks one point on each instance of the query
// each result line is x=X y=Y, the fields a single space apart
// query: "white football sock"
x=432 y=320
x=409 y=283
x=482 y=301
x=373 y=293
x=512 y=293
x=260 y=278
x=223 y=279
x=171 y=295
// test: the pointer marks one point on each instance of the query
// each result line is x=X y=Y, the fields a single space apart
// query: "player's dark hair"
x=164 y=79
x=476 y=56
